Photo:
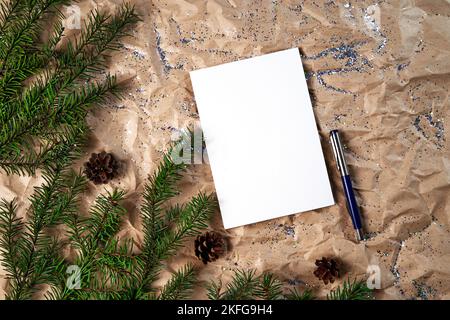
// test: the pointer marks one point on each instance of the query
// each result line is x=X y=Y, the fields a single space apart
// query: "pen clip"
x=338 y=152
x=333 y=147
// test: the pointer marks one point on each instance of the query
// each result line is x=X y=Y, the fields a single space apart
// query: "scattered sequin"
x=138 y=54
x=354 y=62
x=436 y=125
x=424 y=292
x=372 y=24
x=161 y=53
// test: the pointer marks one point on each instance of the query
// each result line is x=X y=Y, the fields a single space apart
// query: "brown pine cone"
x=101 y=167
x=327 y=270
x=209 y=246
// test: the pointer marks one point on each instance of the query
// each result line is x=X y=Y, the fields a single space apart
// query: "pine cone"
x=327 y=270
x=209 y=246
x=101 y=167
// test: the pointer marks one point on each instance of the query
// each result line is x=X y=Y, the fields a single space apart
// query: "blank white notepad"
x=261 y=136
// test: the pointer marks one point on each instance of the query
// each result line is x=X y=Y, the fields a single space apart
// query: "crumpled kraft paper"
x=377 y=70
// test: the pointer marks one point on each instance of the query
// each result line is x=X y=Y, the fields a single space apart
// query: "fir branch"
x=25 y=31
x=192 y=220
x=106 y=266
x=108 y=270
x=18 y=44
x=70 y=109
x=33 y=258
x=62 y=95
x=49 y=48
x=11 y=228
x=173 y=214
x=103 y=38
x=245 y=285
x=180 y=285
x=20 y=68
x=9 y=10
x=47 y=263
x=214 y=290
x=49 y=203
x=160 y=188
x=104 y=219
x=90 y=33
x=295 y=295
x=54 y=151
x=165 y=229
x=242 y=286
x=91 y=235
x=74 y=105
x=269 y=288
x=351 y=290
x=116 y=265
x=66 y=119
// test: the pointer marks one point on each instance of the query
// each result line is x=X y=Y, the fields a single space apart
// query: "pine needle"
x=46 y=92
x=11 y=228
x=214 y=290
x=94 y=237
x=29 y=255
x=245 y=285
x=295 y=295
x=351 y=290
x=242 y=287
x=109 y=270
x=269 y=288
x=180 y=285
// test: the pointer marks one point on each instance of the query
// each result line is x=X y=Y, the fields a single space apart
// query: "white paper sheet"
x=261 y=136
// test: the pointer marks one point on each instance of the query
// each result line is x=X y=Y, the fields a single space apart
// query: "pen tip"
x=359 y=235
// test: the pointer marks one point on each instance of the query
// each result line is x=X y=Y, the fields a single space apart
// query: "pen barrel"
x=351 y=202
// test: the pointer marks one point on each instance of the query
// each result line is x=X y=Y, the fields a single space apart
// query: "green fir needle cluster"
x=46 y=87
x=30 y=255
x=351 y=290
x=246 y=285
x=47 y=84
x=105 y=267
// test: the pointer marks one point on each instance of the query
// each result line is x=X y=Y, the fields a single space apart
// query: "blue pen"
x=352 y=206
